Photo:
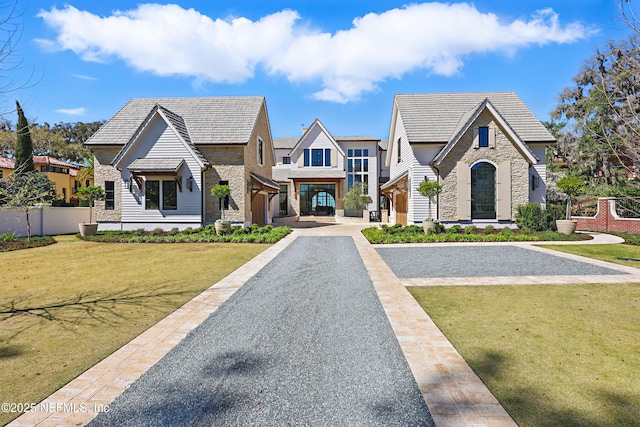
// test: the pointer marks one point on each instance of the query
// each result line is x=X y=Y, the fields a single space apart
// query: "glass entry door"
x=317 y=199
x=483 y=191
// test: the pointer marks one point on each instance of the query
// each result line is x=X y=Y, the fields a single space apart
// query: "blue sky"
x=339 y=61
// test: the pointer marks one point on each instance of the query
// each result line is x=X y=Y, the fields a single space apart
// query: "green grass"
x=67 y=306
x=611 y=253
x=552 y=355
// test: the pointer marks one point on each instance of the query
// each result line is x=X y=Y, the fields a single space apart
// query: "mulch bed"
x=35 y=242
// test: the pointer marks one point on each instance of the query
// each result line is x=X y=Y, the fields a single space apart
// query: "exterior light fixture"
x=190 y=183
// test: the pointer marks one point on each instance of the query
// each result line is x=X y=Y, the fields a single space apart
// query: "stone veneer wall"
x=103 y=171
x=228 y=165
x=464 y=152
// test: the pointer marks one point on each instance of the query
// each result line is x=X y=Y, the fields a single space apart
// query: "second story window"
x=260 y=152
x=399 y=144
x=317 y=157
x=286 y=160
x=483 y=137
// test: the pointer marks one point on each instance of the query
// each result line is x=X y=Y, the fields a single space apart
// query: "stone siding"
x=228 y=165
x=103 y=171
x=464 y=151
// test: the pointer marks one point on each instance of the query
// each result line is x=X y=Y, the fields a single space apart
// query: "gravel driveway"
x=482 y=261
x=304 y=342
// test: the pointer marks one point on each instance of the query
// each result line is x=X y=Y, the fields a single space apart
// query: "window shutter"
x=464 y=191
x=334 y=157
x=492 y=136
x=306 y=157
x=503 y=185
x=476 y=137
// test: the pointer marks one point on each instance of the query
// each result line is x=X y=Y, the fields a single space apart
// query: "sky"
x=339 y=61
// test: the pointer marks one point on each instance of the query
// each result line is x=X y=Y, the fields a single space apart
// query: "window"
x=483 y=137
x=316 y=157
x=224 y=203
x=286 y=160
x=109 y=200
x=306 y=157
x=260 y=152
x=64 y=194
x=327 y=157
x=170 y=195
x=43 y=168
x=399 y=149
x=284 y=202
x=152 y=194
x=357 y=167
x=1 y=174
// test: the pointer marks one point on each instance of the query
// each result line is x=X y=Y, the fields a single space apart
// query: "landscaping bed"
x=415 y=234
x=8 y=242
x=238 y=234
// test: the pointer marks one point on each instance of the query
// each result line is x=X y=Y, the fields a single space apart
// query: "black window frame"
x=151 y=195
x=110 y=195
x=167 y=203
x=223 y=202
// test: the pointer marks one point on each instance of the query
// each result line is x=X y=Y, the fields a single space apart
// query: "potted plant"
x=221 y=191
x=90 y=194
x=429 y=189
x=571 y=186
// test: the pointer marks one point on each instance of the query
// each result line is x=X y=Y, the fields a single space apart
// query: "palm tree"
x=86 y=172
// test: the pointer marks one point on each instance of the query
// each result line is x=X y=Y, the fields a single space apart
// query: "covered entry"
x=262 y=191
x=318 y=199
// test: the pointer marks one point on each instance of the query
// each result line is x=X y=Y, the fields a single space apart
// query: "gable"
x=158 y=137
x=484 y=115
x=316 y=136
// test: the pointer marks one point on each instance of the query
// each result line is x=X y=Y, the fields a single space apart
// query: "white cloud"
x=434 y=37
x=83 y=77
x=73 y=111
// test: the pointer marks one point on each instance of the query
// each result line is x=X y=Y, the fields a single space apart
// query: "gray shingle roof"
x=155 y=165
x=435 y=117
x=208 y=120
x=286 y=142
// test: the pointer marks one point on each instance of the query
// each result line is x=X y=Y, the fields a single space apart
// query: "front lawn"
x=552 y=355
x=617 y=253
x=67 y=306
x=415 y=234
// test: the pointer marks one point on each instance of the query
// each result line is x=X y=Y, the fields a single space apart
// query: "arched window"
x=483 y=191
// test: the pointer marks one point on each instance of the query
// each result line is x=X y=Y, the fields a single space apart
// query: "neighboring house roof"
x=9 y=162
x=384 y=144
x=355 y=138
x=435 y=117
x=209 y=120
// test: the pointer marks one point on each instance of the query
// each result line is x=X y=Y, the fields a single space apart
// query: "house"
x=158 y=159
x=315 y=171
x=487 y=149
x=64 y=175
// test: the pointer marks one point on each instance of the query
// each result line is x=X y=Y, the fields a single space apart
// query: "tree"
x=356 y=198
x=571 y=186
x=601 y=137
x=86 y=172
x=91 y=194
x=221 y=191
x=25 y=189
x=429 y=189
x=24 y=146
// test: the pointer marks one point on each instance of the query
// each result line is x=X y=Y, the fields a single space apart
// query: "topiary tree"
x=429 y=189
x=221 y=191
x=91 y=194
x=24 y=146
x=571 y=186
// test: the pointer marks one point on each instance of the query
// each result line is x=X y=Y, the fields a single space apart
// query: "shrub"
x=139 y=231
x=157 y=231
x=506 y=231
x=8 y=237
x=470 y=229
x=174 y=231
x=455 y=229
x=488 y=230
x=530 y=217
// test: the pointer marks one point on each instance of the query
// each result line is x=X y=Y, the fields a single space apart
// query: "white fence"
x=45 y=220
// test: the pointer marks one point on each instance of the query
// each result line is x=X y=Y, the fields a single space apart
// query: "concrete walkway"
x=453 y=393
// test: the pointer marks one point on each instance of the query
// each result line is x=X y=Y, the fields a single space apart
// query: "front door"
x=318 y=199
x=483 y=191
x=401 y=208
x=258 y=209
